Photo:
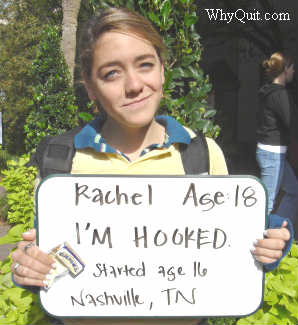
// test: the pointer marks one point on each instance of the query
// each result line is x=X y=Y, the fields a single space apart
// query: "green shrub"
x=18 y=306
x=18 y=47
x=4 y=157
x=52 y=108
x=18 y=180
x=3 y=208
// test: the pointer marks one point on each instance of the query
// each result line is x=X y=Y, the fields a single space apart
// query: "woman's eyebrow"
x=109 y=64
x=118 y=62
x=144 y=57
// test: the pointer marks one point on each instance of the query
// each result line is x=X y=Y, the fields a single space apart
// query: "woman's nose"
x=133 y=84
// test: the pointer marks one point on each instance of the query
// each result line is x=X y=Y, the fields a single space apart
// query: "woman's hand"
x=269 y=249
x=30 y=265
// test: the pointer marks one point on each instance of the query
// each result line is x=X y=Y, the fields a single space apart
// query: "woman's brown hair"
x=119 y=20
x=276 y=64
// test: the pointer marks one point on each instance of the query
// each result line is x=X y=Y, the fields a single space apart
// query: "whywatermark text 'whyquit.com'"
x=242 y=16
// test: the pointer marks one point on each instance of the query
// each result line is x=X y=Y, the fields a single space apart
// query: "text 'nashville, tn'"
x=170 y=296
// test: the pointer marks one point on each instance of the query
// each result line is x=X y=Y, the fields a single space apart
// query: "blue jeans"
x=276 y=174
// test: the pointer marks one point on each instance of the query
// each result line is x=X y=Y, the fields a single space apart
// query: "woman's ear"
x=90 y=92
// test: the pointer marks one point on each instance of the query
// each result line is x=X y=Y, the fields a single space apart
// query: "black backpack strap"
x=54 y=154
x=195 y=156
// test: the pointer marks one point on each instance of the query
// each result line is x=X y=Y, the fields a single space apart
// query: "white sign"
x=157 y=246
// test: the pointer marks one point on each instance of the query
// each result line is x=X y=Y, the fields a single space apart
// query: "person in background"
x=275 y=125
x=122 y=62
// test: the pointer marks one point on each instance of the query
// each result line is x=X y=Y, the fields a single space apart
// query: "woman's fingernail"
x=255 y=242
x=54 y=266
x=45 y=282
x=253 y=250
x=265 y=233
x=27 y=232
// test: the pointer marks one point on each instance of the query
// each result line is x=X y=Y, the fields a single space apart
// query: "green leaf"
x=190 y=19
x=187 y=60
x=294 y=251
x=169 y=23
x=244 y=321
x=10 y=318
x=8 y=239
x=86 y=117
x=5 y=281
x=165 y=10
x=153 y=17
x=210 y=113
x=178 y=73
x=16 y=231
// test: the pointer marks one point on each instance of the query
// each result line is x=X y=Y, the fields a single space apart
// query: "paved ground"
x=2 y=191
x=4 y=249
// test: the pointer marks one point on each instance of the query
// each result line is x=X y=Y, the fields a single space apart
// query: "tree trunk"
x=69 y=29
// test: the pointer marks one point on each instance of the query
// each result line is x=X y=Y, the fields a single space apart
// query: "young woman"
x=122 y=66
x=273 y=136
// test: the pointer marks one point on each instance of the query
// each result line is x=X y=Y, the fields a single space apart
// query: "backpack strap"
x=195 y=156
x=54 y=154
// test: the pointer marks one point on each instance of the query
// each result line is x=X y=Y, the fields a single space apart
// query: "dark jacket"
x=274 y=118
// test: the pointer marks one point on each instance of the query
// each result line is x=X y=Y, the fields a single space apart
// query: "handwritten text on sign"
x=154 y=246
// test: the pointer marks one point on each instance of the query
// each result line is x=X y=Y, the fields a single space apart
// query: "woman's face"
x=126 y=78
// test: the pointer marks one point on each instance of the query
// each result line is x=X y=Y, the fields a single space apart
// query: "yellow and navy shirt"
x=94 y=156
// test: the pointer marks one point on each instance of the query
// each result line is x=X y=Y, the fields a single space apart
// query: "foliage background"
x=20 y=37
x=52 y=109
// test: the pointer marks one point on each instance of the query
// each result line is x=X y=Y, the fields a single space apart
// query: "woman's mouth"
x=137 y=103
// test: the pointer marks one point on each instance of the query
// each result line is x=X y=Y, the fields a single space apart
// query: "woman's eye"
x=110 y=75
x=147 y=65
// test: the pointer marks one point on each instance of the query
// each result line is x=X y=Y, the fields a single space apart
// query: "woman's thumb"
x=29 y=235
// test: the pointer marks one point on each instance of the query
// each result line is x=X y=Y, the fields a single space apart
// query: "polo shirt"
x=95 y=156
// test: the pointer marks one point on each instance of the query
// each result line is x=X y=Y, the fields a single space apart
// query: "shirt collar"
x=175 y=131
x=90 y=137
